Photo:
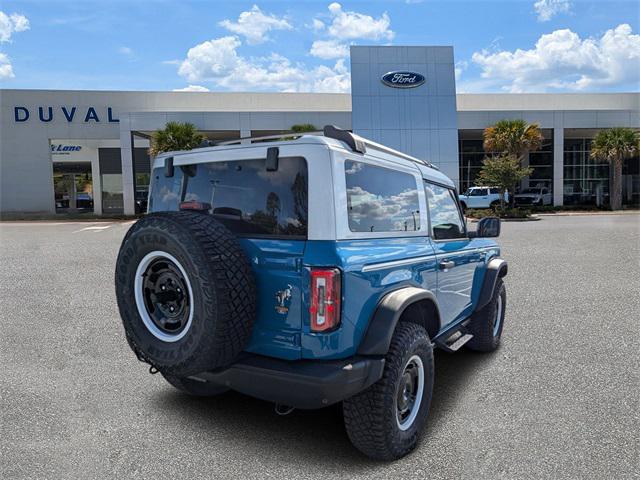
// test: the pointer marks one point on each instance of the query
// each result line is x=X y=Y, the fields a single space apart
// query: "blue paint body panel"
x=366 y=278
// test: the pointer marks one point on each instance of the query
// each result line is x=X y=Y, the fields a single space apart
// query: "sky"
x=161 y=45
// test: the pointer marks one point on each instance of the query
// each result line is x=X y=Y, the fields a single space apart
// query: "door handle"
x=447 y=264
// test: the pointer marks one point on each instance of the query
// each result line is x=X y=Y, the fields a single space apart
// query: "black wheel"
x=385 y=421
x=195 y=387
x=486 y=324
x=494 y=205
x=185 y=292
x=463 y=206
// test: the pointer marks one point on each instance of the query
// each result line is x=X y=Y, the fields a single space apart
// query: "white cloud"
x=6 y=70
x=126 y=51
x=218 y=61
x=351 y=25
x=317 y=25
x=10 y=24
x=212 y=59
x=255 y=24
x=561 y=60
x=345 y=25
x=192 y=88
x=328 y=49
x=547 y=9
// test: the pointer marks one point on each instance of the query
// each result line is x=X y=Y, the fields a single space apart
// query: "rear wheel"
x=385 y=421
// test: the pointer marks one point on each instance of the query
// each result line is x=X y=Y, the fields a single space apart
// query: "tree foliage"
x=514 y=138
x=303 y=127
x=504 y=172
x=615 y=145
x=173 y=137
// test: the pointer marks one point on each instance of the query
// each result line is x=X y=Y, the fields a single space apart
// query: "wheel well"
x=424 y=313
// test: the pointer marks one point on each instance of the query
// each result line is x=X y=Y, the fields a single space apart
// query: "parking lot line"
x=94 y=228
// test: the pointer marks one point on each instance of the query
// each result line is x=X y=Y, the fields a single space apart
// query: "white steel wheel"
x=409 y=393
x=163 y=295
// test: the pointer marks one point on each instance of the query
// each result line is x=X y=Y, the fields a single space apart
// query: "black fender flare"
x=377 y=337
x=496 y=268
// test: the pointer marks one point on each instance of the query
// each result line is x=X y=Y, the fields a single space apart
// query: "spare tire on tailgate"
x=185 y=292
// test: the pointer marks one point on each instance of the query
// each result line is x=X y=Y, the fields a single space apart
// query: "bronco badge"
x=283 y=298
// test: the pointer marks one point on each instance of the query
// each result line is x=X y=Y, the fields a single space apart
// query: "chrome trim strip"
x=396 y=263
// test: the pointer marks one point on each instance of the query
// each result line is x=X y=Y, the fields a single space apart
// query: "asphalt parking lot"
x=559 y=399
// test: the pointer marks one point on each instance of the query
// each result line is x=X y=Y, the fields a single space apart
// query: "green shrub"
x=498 y=212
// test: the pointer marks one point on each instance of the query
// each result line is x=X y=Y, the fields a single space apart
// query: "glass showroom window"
x=472 y=154
x=541 y=161
x=586 y=181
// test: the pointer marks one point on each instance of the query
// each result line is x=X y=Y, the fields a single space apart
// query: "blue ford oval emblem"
x=401 y=79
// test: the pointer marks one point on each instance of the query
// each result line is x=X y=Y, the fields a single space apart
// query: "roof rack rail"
x=360 y=144
x=267 y=137
x=355 y=142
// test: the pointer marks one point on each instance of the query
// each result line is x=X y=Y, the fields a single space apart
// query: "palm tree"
x=175 y=136
x=514 y=139
x=615 y=145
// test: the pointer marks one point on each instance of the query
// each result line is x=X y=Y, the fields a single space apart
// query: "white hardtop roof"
x=429 y=173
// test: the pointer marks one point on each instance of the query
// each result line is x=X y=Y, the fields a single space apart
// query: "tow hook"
x=283 y=410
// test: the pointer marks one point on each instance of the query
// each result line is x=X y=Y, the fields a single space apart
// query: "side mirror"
x=488 y=227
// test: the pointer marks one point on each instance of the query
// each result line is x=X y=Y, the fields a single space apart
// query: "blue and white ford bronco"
x=309 y=272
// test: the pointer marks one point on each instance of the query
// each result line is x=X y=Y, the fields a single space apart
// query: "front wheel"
x=385 y=421
x=486 y=324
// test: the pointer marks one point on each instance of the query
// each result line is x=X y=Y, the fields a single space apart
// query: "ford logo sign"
x=402 y=79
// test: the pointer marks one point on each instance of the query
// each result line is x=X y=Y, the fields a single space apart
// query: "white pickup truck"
x=481 y=197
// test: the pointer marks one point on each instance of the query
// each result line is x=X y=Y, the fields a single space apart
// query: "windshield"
x=534 y=191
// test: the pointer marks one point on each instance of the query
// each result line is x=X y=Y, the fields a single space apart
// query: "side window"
x=446 y=221
x=494 y=191
x=380 y=199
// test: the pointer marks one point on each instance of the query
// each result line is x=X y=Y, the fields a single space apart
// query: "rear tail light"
x=325 y=299
x=193 y=205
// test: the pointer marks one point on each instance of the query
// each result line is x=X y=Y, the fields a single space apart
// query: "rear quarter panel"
x=362 y=290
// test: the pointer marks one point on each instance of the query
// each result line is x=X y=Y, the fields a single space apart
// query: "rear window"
x=380 y=199
x=242 y=195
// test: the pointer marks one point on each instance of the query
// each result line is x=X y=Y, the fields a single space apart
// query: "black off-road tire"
x=222 y=285
x=195 y=387
x=494 y=205
x=370 y=417
x=463 y=206
x=482 y=325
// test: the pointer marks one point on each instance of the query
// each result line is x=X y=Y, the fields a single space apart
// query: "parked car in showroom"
x=482 y=197
x=537 y=196
x=310 y=272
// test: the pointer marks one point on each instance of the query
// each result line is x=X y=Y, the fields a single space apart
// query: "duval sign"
x=403 y=79
x=47 y=114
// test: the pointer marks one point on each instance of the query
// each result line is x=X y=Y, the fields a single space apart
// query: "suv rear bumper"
x=304 y=384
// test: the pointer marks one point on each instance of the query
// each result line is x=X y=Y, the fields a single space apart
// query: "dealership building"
x=68 y=151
